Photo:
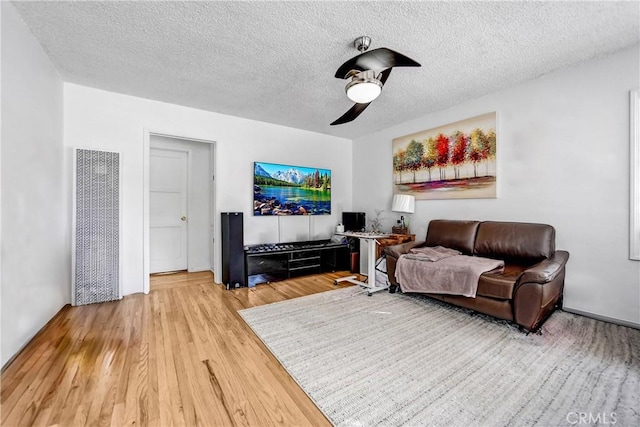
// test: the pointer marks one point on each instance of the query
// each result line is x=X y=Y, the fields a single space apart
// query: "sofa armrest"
x=401 y=249
x=538 y=290
x=393 y=253
x=546 y=270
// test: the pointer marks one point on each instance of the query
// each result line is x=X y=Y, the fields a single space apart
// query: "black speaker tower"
x=233 y=265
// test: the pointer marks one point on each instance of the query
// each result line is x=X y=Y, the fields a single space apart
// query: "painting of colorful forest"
x=455 y=161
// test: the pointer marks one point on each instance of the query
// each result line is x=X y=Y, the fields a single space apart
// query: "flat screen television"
x=290 y=190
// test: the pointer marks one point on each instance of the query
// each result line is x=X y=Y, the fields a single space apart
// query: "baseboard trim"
x=603 y=318
x=198 y=269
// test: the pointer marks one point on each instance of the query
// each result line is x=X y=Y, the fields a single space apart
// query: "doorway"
x=180 y=205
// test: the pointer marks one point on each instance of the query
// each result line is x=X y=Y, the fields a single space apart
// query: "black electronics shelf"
x=279 y=261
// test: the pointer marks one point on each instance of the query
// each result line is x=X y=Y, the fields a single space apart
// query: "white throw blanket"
x=441 y=270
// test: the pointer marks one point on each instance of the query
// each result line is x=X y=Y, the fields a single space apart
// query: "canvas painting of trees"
x=454 y=161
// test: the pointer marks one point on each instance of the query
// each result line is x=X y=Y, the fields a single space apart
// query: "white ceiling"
x=275 y=61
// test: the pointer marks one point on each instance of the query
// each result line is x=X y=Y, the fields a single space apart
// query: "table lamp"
x=403 y=203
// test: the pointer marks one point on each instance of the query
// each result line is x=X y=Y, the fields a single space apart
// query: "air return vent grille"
x=97 y=227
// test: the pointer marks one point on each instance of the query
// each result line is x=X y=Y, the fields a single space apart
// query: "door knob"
x=184 y=218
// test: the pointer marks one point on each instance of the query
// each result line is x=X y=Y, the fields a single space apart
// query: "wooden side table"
x=393 y=239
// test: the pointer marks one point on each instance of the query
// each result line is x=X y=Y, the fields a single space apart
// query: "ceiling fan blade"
x=376 y=59
x=351 y=114
x=384 y=75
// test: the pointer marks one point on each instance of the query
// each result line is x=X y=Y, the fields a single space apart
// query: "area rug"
x=397 y=359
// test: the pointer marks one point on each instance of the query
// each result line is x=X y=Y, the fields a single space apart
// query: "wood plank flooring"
x=178 y=356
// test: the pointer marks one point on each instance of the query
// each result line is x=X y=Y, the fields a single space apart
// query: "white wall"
x=36 y=262
x=563 y=159
x=198 y=224
x=106 y=120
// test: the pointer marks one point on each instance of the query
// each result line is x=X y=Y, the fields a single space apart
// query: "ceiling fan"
x=365 y=85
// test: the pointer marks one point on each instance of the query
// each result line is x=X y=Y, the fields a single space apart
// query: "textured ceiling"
x=275 y=61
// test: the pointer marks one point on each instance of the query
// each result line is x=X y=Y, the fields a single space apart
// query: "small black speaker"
x=233 y=263
x=353 y=221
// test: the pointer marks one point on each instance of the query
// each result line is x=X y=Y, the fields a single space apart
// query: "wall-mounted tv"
x=290 y=190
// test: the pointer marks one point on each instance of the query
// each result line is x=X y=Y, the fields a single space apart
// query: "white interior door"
x=168 y=187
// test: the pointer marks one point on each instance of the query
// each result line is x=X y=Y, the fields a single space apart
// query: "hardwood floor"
x=178 y=356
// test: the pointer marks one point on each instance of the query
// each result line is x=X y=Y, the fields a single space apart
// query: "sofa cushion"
x=499 y=284
x=452 y=234
x=515 y=241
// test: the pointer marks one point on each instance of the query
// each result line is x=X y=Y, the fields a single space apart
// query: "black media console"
x=280 y=261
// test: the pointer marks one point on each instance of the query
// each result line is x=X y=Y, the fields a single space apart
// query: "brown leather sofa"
x=528 y=289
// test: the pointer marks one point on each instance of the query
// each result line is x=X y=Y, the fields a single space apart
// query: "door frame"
x=146 y=154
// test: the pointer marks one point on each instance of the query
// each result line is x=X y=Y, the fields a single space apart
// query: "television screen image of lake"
x=276 y=200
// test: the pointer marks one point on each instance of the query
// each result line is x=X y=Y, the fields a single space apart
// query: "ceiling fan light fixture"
x=363 y=87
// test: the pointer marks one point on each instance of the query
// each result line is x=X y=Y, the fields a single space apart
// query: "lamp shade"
x=403 y=203
x=364 y=87
x=363 y=92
